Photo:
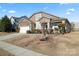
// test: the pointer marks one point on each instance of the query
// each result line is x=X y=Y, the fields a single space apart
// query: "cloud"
x=11 y=11
x=70 y=11
x=4 y=10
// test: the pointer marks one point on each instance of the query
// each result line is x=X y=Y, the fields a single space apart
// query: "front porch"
x=52 y=26
x=48 y=25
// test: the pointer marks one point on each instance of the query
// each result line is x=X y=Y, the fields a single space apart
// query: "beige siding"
x=33 y=19
x=24 y=23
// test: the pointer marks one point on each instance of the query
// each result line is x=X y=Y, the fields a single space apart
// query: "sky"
x=67 y=10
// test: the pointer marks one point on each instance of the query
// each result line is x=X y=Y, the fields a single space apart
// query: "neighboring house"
x=75 y=26
x=24 y=25
x=15 y=21
x=42 y=19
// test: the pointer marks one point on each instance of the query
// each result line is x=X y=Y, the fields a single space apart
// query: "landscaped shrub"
x=34 y=31
x=29 y=31
x=51 y=31
x=17 y=29
x=38 y=31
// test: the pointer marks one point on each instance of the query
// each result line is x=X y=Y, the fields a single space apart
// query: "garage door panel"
x=24 y=29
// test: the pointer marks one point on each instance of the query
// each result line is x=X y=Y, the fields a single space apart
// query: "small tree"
x=6 y=24
x=44 y=32
x=62 y=28
x=0 y=26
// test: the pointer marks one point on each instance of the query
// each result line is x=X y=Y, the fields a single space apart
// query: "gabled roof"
x=44 y=19
x=19 y=18
x=49 y=19
x=24 y=22
x=66 y=20
x=44 y=13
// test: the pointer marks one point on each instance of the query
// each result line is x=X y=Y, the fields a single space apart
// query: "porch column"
x=30 y=26
x=48 y=25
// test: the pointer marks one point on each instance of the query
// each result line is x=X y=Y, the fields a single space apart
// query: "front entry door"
x=44 y=26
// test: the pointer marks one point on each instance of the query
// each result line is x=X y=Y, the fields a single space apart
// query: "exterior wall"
x=44 y=20
x=67 y=27
x=24 y=29
x=38 y=25
x=12 y=21
x=33 y=19
x=14 y=24
x=37 y=17
x=24 y=22
x=50 y=16
x=44 y=15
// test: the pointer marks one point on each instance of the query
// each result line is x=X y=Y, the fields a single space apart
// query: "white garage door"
x=24 y=29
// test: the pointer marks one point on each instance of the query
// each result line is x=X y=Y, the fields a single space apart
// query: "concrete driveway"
x=16 y=50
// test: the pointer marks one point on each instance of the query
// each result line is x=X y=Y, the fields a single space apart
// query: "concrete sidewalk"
x=18 y=51
x=9 y=36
